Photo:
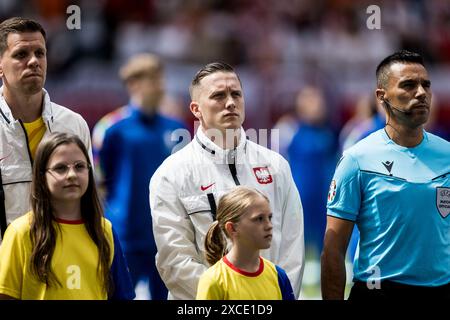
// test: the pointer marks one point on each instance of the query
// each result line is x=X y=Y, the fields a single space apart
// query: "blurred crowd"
x=277 y=46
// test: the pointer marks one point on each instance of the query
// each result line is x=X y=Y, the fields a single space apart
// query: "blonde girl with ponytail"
x=232 y=245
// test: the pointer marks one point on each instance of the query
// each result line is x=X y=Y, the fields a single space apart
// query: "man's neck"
x=404 y=136
x=228 y=139
x=145 y=107
x=24 y=107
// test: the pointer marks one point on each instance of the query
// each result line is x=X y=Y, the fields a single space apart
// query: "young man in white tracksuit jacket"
x=186 y=188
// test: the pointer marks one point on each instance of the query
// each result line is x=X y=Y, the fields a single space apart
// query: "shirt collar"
x=6 y=114
x=219 y=153
x=388 y=140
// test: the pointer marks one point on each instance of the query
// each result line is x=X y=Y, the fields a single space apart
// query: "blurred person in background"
x=395 y=186
x=433 y=125
x=129 y=145
x=368 y=118
x=312 y=154
x=186 y=187
x=27 y=113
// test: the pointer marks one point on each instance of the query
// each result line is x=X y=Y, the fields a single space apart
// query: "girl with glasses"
x=64 y=248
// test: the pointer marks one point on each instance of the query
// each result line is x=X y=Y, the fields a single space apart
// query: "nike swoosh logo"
x=207 y=187
x=1 y=158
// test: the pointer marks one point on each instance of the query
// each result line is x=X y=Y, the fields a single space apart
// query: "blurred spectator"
x=129 y=145
x=433 y=125
x=277 y=47
x=368 y=117
x=312 y=154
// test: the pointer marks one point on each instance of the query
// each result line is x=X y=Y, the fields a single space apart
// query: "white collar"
x=219 y=153
x=6 y=114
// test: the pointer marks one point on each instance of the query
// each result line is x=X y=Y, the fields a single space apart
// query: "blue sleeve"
x=109 y=154
x=344 y=195
x=120 y=275
x=285 y=285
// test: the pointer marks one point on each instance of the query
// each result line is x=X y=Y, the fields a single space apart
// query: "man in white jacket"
x=185 y=189
x=26 y=113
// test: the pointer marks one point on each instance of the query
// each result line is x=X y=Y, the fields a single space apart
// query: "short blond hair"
x=140 y=65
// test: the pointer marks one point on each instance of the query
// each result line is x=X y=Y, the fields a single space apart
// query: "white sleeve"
x=178 y=260
x=85 y=136
x=292 y=247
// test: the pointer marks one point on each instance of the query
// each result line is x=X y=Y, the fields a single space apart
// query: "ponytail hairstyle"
x=231 y=208
x=43 y=231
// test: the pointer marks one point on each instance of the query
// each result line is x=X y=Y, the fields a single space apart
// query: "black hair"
x=403 y=56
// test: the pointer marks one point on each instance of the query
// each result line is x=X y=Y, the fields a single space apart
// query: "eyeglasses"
x=61 y=170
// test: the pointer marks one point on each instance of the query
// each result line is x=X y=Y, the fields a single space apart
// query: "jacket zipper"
x=28 y=145
x=232 y=167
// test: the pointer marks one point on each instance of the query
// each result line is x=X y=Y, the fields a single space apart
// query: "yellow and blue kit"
x=224 y=281
x=74 y=264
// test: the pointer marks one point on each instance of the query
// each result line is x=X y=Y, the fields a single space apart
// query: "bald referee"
x=395 y=186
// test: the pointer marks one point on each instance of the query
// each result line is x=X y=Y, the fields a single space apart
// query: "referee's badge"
x=443 y=201
x=332 y=191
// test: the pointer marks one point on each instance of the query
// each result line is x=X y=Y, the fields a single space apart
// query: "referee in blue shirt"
x=395 y=186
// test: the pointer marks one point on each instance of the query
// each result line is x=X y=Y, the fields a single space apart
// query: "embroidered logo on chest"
x=388 y=165
x=263 y=175
x=443 y=201
x=203 y=188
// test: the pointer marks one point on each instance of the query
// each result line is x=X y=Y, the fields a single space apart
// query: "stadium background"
x=278 y=47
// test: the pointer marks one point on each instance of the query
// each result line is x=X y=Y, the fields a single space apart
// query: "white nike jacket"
x=15 y=157
x=184 y=192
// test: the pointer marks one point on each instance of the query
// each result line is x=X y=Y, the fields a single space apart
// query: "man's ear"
x=379 y=93
x=195 y=109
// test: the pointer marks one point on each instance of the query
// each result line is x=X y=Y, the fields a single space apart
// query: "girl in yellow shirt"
x=63 y=248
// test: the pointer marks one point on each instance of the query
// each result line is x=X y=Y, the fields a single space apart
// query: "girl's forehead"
x=67 y=150
x=259 y=205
